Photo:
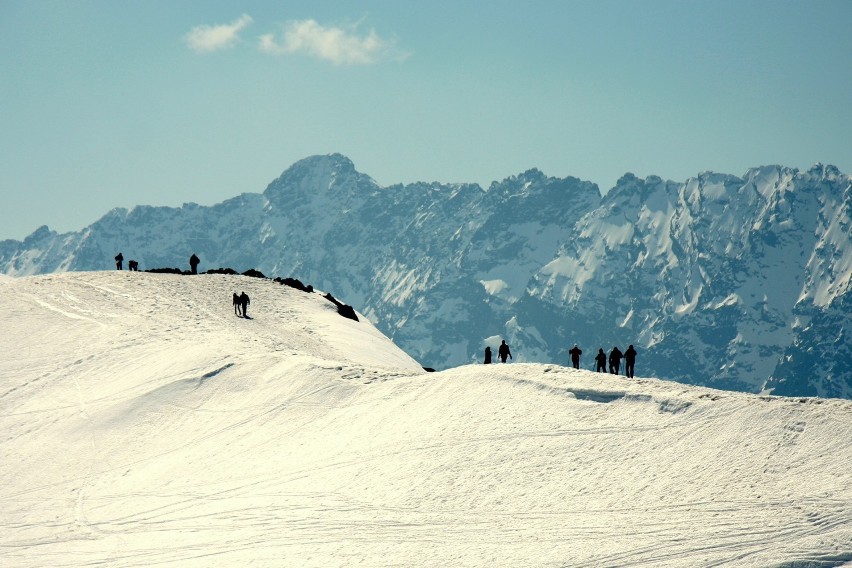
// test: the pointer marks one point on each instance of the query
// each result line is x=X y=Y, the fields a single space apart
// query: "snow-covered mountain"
x=737 y=283
x=144 y=424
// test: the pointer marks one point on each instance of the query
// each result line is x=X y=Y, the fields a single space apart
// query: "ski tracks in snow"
x=187 y=436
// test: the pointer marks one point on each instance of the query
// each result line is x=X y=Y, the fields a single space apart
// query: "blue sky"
x=109 y=104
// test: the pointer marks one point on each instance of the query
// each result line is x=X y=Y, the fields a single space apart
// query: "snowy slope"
x=734 y=282
x=144 y=424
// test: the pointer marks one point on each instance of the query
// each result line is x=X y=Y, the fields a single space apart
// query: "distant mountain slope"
x=144 y=424
x=739 y=283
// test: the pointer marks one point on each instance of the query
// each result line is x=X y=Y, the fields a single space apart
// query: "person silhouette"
x=615 y=360
x=487 y=356
x=600 y=359
x=244 y=302
x=575 y=353
x=119 y=259
x=504 y=352
x=237 y=304
x=629 y=361
x=193 y=263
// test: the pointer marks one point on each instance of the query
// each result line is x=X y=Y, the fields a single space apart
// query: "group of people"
x=241 y=303
x=502 y=352
x=601 y=359
x=614 y=359
x=134 y=265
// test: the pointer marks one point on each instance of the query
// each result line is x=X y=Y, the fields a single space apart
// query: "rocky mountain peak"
x=718 y=280
x=333 y=174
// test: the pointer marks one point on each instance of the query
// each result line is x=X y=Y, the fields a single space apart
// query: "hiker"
x=615 y=360
x=629 y=361
x=244 y=302
x=600 y=359
x=133 y=265
x=119 y=259
x=487 y=356
x=503 y=352
x=237 y=305
x=575 y=353
x=193 y=263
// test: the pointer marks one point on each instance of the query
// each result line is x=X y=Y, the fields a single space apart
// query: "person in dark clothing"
x=244 y=302
x=133 y=265
x=237 y=303
x=575 y=353
x=615 y=360
x=504 y=352
x=600 y=359
x=629 y=361
x=487 y=356
x=119 y=260
x=193 y=263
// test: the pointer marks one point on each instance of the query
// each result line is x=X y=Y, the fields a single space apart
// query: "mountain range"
x=739 y=283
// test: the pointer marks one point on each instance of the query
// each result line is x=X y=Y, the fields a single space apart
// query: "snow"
x=836 y=238
x=547 y=250
x=691 y=303
x=400 y=282
x=613 y=234
x=145 y=424
x=570 y=274
x=730 y=300
x=494 y=287
x=507 y=278
x=715 y=191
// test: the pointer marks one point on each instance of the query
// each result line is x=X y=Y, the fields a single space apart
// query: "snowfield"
x=143 y=424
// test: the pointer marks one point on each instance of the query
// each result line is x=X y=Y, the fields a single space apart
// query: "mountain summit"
x=333 y=175
x=733 y=282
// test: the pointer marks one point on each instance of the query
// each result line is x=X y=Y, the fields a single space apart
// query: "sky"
x=109 y=104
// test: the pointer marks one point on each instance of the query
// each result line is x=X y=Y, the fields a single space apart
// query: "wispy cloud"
x=205 y=39
x=337 y=44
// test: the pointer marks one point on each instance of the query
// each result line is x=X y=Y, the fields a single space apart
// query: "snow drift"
x=145 y=424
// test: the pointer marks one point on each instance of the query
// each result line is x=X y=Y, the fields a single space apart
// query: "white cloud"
x=339 y=45
x=204 y=39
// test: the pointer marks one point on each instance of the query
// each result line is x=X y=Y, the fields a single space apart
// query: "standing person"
x=193 y=263
x=504 y=352
x=237 y=303
x=575 y=353
x=600 y=359
x=244 y=302
x=629 y=361
x=119 y=259
x=615 y=360
x=487 y=356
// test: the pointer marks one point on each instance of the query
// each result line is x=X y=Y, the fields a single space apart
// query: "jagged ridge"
x=733 y=282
